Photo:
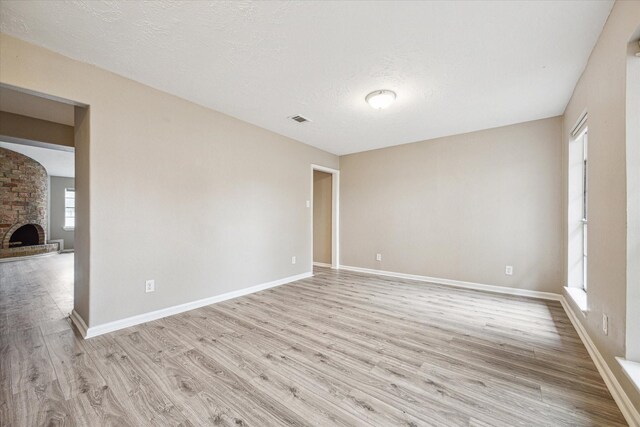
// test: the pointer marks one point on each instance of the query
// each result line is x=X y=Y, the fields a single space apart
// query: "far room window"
x=69 y=208
x=584 y=208
x=578 y=208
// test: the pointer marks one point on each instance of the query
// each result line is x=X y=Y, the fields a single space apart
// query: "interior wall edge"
x=602 y=91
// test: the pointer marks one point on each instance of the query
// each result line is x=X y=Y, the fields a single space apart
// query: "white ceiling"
x=456 y=66
x=56 y=162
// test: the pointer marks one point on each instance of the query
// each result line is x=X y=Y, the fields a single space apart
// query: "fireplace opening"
x=27 y=235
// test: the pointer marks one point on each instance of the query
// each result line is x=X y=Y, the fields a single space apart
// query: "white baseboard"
x=459 y=283
x=321 y=264
x=622 y=400
x=77 y=320
x=94 y=331
x=624 y=403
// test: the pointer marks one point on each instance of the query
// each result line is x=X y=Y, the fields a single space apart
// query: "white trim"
x=335 y=212
x=579 y=297
x=78 y=321
x=577 y=128
x=322 y=264
x=624 y=403
x=632 y=370
x=460 y=284
x=94 y=331
x=622 y=400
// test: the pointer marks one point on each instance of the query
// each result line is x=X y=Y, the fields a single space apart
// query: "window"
x=69 y=208
x=584 y=209
x=631 y=362
x=577 y=210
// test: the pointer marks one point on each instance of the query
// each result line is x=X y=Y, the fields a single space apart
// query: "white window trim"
x=579 y=297
x=585 y=206
x=631 y=362
x=631 y=370
x=577 y=252
x=65 y=227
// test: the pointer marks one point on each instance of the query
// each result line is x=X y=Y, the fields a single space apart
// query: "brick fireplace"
x=23 y=206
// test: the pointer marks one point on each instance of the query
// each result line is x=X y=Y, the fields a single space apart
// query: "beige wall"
x=460 y=208
x=199 y=201
x=322 y=212
x=29 y=128
x=57 y=185
x=24 y=104
x=601 y=91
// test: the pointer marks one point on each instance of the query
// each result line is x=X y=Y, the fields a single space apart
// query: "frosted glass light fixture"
x=380 y=99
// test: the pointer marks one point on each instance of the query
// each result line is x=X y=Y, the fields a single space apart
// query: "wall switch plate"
x=293 y=260
x=508 y=270
x=378 y=257
x=308 y=204
x=150 y=286
x=605 y=324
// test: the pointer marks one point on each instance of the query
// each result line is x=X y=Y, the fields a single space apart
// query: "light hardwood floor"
x=336 y=349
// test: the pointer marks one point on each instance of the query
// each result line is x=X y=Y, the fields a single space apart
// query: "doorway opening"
x=325 y=186
x=39 y=135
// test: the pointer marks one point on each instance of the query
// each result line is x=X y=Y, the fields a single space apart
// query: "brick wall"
x=23 y=195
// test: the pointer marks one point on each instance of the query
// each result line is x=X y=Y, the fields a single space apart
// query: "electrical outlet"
x=605 y=324
x=150 y=286
x=508 y=270
x=308 y=203
x=378 y=257
x=293 y=260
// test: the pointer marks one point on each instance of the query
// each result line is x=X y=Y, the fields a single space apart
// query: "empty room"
x=319 y=213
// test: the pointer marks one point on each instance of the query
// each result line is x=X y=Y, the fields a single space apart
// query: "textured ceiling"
x=456 y=66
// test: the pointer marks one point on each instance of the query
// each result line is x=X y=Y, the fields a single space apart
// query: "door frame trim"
x=335 y=213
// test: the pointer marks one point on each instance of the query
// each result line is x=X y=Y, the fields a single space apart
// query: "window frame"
x=584 y=135
x=67 y=227
x=577 y=213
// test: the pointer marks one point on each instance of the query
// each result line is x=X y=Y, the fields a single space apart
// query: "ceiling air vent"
x=299 y=119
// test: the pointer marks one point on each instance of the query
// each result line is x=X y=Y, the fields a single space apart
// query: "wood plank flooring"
x=340 y=348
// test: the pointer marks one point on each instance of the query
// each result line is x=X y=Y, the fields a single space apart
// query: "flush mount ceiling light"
x=380 y=99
